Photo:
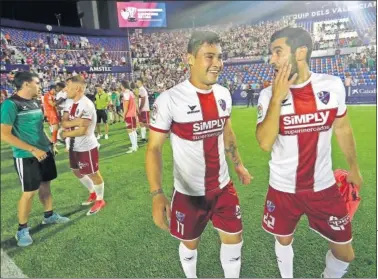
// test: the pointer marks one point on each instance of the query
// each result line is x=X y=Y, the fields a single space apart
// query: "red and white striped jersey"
x=301 y=156
x=196 y=119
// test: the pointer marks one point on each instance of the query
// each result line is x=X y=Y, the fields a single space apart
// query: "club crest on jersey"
x=323 y=96
x=154 y=113
x=222 y=104
x=180 y=216
x=259 y=111
x=270 y=206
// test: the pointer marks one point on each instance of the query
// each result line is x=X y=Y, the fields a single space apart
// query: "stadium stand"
x=157 y=57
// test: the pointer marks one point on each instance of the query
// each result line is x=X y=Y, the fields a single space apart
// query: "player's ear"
x=301 y=53
x=190 y=58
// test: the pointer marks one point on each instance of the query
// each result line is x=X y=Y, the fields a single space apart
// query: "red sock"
x=54 y=136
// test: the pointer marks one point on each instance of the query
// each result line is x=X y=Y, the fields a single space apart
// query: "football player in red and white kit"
x=296 y=116
x=80 y=116
x=144 y=110
x=130 y=114
x=197 y=112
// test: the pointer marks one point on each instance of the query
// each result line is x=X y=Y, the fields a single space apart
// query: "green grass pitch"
x=122 y=241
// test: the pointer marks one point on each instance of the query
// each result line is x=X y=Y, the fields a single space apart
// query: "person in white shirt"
x=295 y=120
x=197 y=114
x=144 y=110
x=80 y=119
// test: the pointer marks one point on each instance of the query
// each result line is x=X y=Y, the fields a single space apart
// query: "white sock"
x=334 y=267
x=285 y=256
x=188 y=260
x=67 y=140
x=135 y=139
x=99 y=191
x=230 y=256
x=131 y=136
x=143 y=132
x=87 y=182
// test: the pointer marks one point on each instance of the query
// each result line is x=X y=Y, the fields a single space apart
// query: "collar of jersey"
x=79 y=99
x=303 y=83
x=203 y=91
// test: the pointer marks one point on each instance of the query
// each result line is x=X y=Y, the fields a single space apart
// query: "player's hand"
x=243 y=174
x=161 y=211
x=39 y=154
x=61 y=135
x=281 y=83
x=55 y=150
x=355 y=177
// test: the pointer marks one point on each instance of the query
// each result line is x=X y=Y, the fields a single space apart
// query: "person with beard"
x=22 y=128
x=296 y=116
x=197 y=113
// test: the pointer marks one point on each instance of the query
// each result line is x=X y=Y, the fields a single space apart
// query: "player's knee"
x=77 y=173
x=192 y=245
x=28 y=195
x=285 y=240
x=96 y=178
x=347 y=256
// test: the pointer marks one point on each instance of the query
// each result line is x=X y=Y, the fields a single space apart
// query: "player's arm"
x=230 y=145
x=231 y=149
x=77 y=122
x=161 y=210
x=154 y=160
x=161 y=120
x=344 y=135
x=8 y=117
x=142 y=101
x=125 y=108
x=267 y=129
x=8 y=137
x=81 y=131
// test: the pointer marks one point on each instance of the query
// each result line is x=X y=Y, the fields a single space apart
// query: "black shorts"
x=102 y=114
x=32 y=173
x=118 y=109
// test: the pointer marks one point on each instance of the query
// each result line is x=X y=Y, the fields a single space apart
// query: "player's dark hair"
x=132 y=85
x=295 y=38
x=140 y=79
x=52 y=87
x=61 y=84
x=125 y=84
x=21 y=77
x=199 y=38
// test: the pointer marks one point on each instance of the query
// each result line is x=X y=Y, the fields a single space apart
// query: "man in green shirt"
x=102 y=102
x=116 y=105
x=22 y=128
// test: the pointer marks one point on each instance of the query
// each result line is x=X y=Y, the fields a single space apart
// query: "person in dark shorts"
x=22 y=128
x=102 y=101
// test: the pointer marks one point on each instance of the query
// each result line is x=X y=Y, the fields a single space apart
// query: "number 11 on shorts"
x=180 y=228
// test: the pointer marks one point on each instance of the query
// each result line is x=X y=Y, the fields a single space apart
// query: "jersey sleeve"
x=66 y=107
x=8 y=112
x=88 y=110
x=263 y=104
x=126 y=96
x=228 y=102
x=161 y=115
x=340 y=90
x=142 y=93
